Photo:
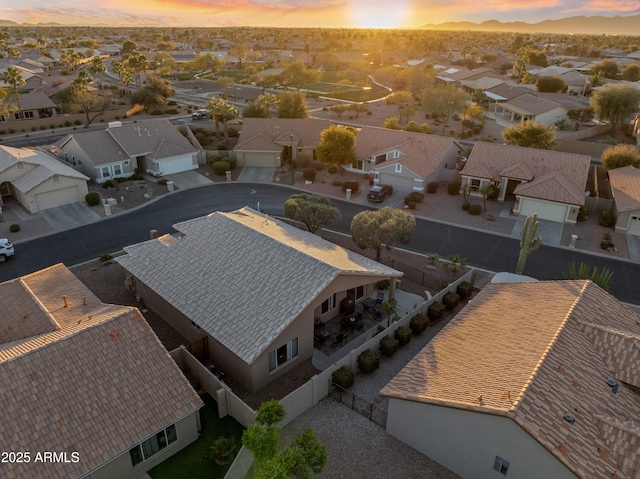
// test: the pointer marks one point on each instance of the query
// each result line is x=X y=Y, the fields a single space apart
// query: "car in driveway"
x=379 y=193
x=6 y=249
x=200 y=115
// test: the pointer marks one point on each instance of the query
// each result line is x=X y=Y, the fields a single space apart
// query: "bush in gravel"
x=309 y=174
x=466 y=205
x=403 y=334
x=92 y=198
x=333 y=169
x=419 y=323
x=233 y=163
x=451 y=300
x=14 y=228
x=389 y=346
x=436 y=310
x=105 y=257
x=343 y=377
x=411 y=205
x=475 y=210
x=607 y=218
x=353 y=185
x=318 y=165
x=433 y=187
x=416 y=196
x=465 y=289
x=453 y=188
x=368 y=361
x=220 y=167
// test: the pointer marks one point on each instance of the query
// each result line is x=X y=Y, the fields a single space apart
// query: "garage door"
x=268 y=160
x=51 y=199
x=176 y=166
x=546 y=210
x=634 y=225
x=399 y=183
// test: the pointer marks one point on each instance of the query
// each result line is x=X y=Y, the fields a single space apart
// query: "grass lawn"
x=324 y=87
x=237 y=75
x=194 y=461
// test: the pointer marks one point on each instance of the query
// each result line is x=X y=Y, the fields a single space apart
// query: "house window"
x=284 y=353
x=104 y=172
x=398 y=168
x=359 y=165
x=329 y=304
x=501 y=466
x=396 y=154
x=475 y=185
x=143 y=451
x=117 y=170
x=356 y=293
x=126 y=162
x=56 y=179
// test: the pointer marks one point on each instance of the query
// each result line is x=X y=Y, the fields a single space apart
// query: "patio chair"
x=338 y=339
x=380 y=297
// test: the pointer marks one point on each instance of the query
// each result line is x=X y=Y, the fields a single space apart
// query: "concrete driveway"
x=550 y=231
x=70 y=216
x=255 y=174
x=188 y=179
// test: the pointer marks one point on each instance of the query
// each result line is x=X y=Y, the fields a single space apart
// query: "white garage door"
x=51 y=199
x=546 y=210
x=268 y=160
x=634 y=225
x=176 y=166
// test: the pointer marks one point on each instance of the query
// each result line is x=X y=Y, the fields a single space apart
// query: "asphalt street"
x=479 y=248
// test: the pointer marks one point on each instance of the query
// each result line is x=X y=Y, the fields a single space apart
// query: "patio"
x=340 y=334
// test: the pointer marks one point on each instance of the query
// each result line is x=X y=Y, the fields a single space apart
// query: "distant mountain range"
x=585 y=25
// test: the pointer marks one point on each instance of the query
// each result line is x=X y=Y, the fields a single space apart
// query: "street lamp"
x=292 y=173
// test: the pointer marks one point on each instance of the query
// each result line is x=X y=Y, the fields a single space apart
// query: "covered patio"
x=337 y=336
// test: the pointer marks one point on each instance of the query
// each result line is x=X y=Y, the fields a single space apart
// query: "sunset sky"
x=303 y=13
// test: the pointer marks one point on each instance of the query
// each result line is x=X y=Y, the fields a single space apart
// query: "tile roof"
x=45 y=167
x=507 y=92
x=156 y=139
x=263 y=274
x=557 y=176
x=97 y=385
x=529 y=104
x=421 y=153
x=34 y=100
x=625 y=186
x=306 y=132
x=534 y=352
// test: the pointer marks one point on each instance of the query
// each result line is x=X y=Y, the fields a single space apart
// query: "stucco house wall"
x=77 y=158
x=468 y=442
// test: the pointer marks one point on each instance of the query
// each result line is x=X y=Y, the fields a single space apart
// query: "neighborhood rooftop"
x=243 y=276
x=534 y=352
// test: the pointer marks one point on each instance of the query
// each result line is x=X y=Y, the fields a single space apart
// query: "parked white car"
x=6 y=249
x=200 y=115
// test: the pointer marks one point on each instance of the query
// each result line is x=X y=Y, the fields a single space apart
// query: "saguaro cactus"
x=527 y=244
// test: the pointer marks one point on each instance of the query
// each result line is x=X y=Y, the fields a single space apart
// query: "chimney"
x=64 y=298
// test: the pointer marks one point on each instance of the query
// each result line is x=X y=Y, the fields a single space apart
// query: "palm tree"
x=13 y=77
x=97 y=67
x=267 y=101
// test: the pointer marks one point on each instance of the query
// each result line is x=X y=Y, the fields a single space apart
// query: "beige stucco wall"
x=622 y=220
x=468 y=442
x=120 y=467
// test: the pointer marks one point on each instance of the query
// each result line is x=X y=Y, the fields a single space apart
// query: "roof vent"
x=569 y=418
x=613 y=385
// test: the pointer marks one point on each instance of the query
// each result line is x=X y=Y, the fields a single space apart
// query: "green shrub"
x=389 y=346
x=403 y=334
x=233 y=133
x=606 y=242
x=475 y=210
x=92 y=198
x=309 y=174
x=466 y=205
x=411 y=205
x=451 y=300
x=353 y=185
x=318 y=165
x=607 y=218
x=465 y=289
x=333 y=169
x=14 y=228
x=172 y=103
x=433 y=187
x=583 y=214
x=476 y=129
x=493 y=193
x=233 y=163
x=368 y=361
x=343 y=377
x=436 y=310
x=156 y=112
x=67 y=123
x=220 y=167
x=416 y=196
x=105 y=257
x=419 y=323
x=453 y=188
x=78 y=122
x=171 y=111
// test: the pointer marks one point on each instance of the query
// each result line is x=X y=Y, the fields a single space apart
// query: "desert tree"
x=292 y=105
x=531 y=134
x=443 y=100
x=614 y=103
x=337 y=146
x=619 y=156
x=375 y=228
x=312 y=211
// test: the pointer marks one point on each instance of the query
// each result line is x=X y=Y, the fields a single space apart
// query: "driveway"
x=254 y=174
x=188 y=179
x=550 y=231
x=70 y=216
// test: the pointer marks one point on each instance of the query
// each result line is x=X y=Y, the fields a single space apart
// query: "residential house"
x=405 y=160
x=502 y=93
x=549 y=183
x=87 y=381
x=272 y=142
x=246 y=290
x=32 y=80
x=457 y=76
x=156 y=147
x=530 y=107
x=529 y=380
x=38 y=181
x=625 y=187
x=33 y=105
x=32 y=65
